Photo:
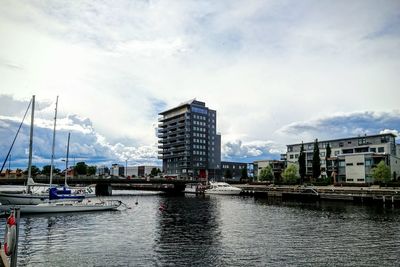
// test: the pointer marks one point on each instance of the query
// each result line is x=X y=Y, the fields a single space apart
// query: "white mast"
x=52 y=148
x=66 y=161
x=30 y=180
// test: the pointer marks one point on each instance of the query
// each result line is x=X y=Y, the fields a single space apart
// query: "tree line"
x=81 y=168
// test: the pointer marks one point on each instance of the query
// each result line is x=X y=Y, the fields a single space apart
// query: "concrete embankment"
x=386 y=196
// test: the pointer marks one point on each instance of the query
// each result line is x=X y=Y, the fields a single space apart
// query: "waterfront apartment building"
x=277 y=167
x=189 y=145
x=352 y=158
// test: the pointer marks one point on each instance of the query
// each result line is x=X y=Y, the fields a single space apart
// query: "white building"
x=352 y=158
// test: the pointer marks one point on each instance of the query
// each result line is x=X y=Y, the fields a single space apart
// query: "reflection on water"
x=213 y=231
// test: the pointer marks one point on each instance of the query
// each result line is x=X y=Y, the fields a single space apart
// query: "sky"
x=277 y=72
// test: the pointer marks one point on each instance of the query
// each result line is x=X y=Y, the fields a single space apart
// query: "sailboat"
x=34 y=193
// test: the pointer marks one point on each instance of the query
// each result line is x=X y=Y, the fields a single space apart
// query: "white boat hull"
x=61 y=207
x=223 y=192
x=30 y=199
x=22 y=199
x=222 y=188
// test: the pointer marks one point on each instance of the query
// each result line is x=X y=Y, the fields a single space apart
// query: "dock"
x=373 y=194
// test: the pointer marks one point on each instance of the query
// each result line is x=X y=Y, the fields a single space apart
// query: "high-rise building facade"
x=189 y=145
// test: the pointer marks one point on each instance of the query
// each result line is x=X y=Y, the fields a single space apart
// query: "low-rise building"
x=277 y=167
x=231 y=170
x=352 y=158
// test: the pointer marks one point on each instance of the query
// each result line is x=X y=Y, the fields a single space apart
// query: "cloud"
x=240 y=151
x=265 y=66
x=85 y=145
x=344 y=125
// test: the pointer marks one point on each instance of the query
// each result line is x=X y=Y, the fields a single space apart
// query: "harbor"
x=212 y=231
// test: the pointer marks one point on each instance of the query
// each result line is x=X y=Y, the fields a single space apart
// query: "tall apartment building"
x=352 y=158
x=189 y=145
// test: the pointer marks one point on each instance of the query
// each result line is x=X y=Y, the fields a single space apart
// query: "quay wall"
x=364 y=195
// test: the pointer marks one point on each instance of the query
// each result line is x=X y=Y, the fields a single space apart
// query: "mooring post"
x=14 y=257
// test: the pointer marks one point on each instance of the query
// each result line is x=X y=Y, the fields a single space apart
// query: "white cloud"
x=262 y=65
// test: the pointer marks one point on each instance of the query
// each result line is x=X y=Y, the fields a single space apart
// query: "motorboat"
x=222 y=188
x=194 y=188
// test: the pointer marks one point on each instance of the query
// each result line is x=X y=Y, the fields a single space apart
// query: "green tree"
x=154 y=172
x=46 y=170
x=316 y=162
x=34 y=170
x=381 y=172
x=91 y=170
x=290 y=174
x=81 y=168
x=328 y=161
x=244 y=174
x=302 y=164
x=266 y=173
x=228 y=174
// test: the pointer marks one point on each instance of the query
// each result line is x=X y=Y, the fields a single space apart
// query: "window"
x=291 y=156
x=360 y=180
x=337 y=153
x=290 y=149
x=349 y=164
x=349 y=180
x=296 y=156
x=372 y=149
x=367 y=162
x=340 y=144
x=360 y=163
x=341 y=163
x=322 y=154
x=381 y=149
x=362 y=141
x=347 y=151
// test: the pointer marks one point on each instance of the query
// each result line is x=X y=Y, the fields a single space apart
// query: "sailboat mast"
x=66 y=161
x=30 y=145
x=52 y=147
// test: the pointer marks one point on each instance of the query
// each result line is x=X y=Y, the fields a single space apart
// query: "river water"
x=213 y=231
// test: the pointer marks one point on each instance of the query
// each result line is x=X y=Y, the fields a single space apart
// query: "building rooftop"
x=183 y=104
x=346 y=138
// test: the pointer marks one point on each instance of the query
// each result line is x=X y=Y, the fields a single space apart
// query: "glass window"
x=381 y=149
x=372 y=149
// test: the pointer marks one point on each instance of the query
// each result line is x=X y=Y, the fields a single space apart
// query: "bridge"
x=104 y=185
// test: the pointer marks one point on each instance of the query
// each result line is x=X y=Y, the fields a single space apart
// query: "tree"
x=381 y=172
x=81 y=168
x=153 y=172
x=228 y=174
x=244 y=174
x=34 y=170
x=290 y=174
x=46 y=170
x=316 y=162
x=327 y=160
x=91 y=170
x=266 y=173
x=302 y=164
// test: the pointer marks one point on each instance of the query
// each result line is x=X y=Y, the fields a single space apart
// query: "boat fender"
x=10 y=235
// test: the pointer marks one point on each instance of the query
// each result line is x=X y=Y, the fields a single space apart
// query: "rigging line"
x=8 y=154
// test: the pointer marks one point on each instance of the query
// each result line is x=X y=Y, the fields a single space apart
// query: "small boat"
x=65 y=206
x=194 y=188
x=222 y=188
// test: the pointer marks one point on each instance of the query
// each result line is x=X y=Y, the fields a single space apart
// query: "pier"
x=373 y=194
